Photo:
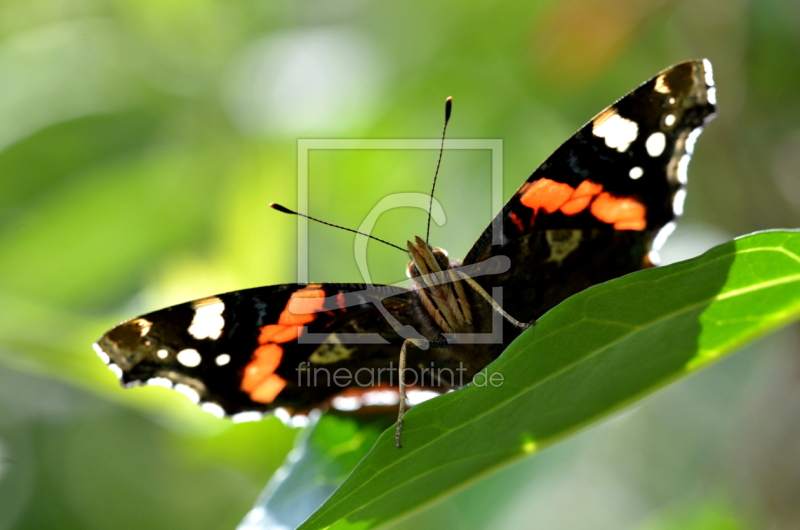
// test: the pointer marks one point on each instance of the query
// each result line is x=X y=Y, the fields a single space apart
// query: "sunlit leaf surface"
x=595 y=353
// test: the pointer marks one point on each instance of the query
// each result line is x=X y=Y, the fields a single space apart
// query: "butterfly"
x=598 y=208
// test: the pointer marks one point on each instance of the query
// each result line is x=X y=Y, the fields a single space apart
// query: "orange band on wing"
x=278 y=333
x=265 y=361
x=269 y=389
x=302 y=306
x=587 y=188
x=581 y=197
x=576 y=206
x=340 y=301
x=259 y=379
x=547 y=195
x=624 y=213
x=517 y=221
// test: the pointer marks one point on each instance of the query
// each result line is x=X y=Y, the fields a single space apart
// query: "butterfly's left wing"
x=592 y=210
x=260 y=349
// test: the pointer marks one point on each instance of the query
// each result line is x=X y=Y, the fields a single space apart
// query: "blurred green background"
x=142 y=140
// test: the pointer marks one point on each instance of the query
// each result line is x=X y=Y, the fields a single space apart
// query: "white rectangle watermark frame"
x=304 y=145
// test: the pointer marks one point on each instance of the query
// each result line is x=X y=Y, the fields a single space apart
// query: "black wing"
x=257 y=349
x=592 y=210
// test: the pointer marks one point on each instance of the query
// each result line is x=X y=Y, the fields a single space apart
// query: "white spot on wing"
x=208 y=321
x=116 y=369
x=380 y=398
x=222 y=359
x=299 y=420
x=415 y=397
x=669 y=120
x=709 y=72
x=162 y=354
x=677 y=202
x=663 y=234
x=213 y=408
x=655 y=144
x=692 y=139
x=617 y=131
x=661 y=84
x=250 y=415
x=654 y=258
x=100 y=353
x=189 y=358
x=189 y=392
x=636 y=173
x=712 y=95
x=283 y=415
x=346 y=403
x=683 y=167
x=144 y=326
x=159 y=381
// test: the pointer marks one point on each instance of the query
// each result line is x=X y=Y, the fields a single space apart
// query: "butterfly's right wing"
x=592 y=210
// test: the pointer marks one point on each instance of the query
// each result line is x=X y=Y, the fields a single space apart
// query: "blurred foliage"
x=141 y=142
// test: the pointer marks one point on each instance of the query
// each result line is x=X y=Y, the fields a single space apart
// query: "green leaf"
x=325 y=454
x=592 y=355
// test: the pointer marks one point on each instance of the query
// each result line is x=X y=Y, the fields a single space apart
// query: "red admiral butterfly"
x=596 y=209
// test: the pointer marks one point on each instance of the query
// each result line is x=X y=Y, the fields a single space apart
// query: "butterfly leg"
x=402 y=379
x=402 y=383
x=486 y=296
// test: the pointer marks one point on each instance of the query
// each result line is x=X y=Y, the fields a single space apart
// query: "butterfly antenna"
x=284 y=209
x=448 y=108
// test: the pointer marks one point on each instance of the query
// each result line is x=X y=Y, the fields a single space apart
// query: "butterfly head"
x=426 y=260
x=440 y=293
